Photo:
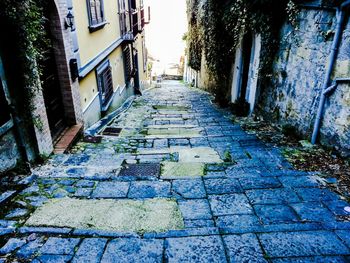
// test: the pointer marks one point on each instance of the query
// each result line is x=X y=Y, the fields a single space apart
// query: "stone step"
x=69 y=136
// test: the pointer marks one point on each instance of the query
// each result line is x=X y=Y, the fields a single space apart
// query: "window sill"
x=93 y=28
x=106 y=105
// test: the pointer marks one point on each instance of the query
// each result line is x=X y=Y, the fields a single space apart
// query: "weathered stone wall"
x=204 y=81
x=9 y=154
x=299 y=71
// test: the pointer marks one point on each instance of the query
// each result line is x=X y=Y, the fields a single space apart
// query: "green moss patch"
x=172 y=170
x=173 y=132
x=141 y=216
x=170 y=108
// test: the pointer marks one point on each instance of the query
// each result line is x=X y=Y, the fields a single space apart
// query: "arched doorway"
x=56 y=81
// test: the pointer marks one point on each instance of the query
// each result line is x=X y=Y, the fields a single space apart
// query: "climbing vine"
x=222 y=25
x=24 y=26
x=194 y=37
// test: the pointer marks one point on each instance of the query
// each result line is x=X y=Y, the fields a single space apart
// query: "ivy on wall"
x=194 y=37
x=222 y=25
x=23 y=22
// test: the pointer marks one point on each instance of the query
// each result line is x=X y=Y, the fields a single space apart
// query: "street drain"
x=141 y=170
x=112 y=131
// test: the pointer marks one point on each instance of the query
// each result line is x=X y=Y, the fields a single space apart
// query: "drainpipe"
x=335 y=46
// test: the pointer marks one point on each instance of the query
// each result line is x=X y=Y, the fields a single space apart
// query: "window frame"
x=94 y=27
x=100 y=70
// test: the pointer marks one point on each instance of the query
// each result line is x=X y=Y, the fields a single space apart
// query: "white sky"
x=164 y=33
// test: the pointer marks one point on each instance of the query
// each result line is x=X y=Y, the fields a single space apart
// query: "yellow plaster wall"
x=91 y=44
x=117 y=64
x=88 y=89
x=88 y=85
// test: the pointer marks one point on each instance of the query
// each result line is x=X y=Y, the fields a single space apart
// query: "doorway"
x=51 y=88
x=246 y=57
x=137 y=76
x=246 y=72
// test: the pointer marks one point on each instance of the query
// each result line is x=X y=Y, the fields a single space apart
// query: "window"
x=96 y=14
x=133 y=4
x=127 y=63
x=105 y=84
x=123 y=21
x=5 y=111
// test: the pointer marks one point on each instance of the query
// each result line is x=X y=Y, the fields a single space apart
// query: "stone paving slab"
x=133 y=250
x=59 y=246
x=195 y=249
x=244 y=248
x=111 y=190
x=90 y=250
x=273 y=196
x=222 y=186
x=302 y=244
x=189 y=189
x=230 y=204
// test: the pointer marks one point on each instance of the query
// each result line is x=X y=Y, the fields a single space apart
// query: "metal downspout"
x=332 y=58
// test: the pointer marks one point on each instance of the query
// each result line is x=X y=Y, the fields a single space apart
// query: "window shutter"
x=127 y=63
x=93 y=12
x=98 y=11
x=106 y=85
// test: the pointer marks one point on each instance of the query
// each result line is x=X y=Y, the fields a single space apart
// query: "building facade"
x=95 y=59
x=109 y=46
x=36 y=120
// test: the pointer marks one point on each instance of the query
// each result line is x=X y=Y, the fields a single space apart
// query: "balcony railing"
x=128 y=36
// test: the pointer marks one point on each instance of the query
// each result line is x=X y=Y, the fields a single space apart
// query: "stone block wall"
x=299 y=71
x=9 y=153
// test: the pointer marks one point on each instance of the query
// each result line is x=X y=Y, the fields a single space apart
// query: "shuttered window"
x=96 y=12
x=122 y=17
x=105 y=84
x=127 y=63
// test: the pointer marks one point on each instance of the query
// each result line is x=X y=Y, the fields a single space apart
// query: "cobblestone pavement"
x=181 y=183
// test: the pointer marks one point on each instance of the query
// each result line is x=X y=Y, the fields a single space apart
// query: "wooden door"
x=52 y=90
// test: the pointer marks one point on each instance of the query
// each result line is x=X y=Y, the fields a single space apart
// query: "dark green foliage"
x=290 y=131
x=23 y=26
x=194 y=38
x=23 y=22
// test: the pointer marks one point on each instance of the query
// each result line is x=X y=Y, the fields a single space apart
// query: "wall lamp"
x=69 y=21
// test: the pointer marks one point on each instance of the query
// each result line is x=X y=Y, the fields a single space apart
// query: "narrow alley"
x=173 y=180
